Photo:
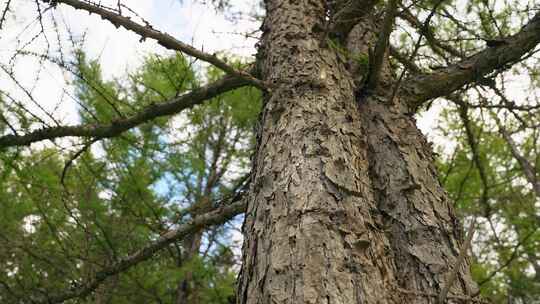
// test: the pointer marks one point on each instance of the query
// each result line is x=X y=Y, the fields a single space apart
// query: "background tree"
x=344 y=204
x=76 y=213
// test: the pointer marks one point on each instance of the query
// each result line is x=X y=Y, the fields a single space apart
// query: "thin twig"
x=4 y=14
x=164 y=39
x=461 y=258
x=513 y=256
x=425 y=25
x=217 y=216
x=73 y=158
x=118 y=126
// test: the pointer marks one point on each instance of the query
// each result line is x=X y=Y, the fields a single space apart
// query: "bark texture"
x=345 y=205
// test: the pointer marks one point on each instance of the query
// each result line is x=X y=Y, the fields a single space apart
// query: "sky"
x=118 y=50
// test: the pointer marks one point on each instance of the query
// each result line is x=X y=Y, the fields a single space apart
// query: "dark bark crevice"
x=422 y=228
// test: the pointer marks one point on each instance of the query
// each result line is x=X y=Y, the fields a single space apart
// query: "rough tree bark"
x=345 y=204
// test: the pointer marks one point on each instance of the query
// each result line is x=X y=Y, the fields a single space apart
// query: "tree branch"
x=410 y=65
x=476 y=155
x=114 y=128
x=513 y=256
x=421 y=88
x=461 y=258
x=427 y=32
x=528 y=169
x=164 y=39
x=381 y=46
x=4 y=13
x=215 y=217
x=415 y=50
x=345 y=14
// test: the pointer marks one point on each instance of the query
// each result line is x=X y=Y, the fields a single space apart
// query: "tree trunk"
x=186 y=292
x=345 y=205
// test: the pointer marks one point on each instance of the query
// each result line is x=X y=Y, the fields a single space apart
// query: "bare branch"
x=461 y=258
x=215 y=217
x=116 y=127
x=381 y=45
x=513 y=256
x=421 y=88
x=70 y=161
x=427 y=31
x=397 y=86
x=473 y=144
x=528 y=169
x=164 y=39
x=345 y=14
x=402 y=58
x=4 y=13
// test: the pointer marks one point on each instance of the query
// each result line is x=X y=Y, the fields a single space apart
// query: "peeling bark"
x=422 y=228
x=345 y=205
